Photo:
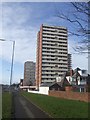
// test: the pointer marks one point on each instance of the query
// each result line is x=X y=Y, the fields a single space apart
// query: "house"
x=79 y=88
x=88 y=83
x=63 y=83
x=45 y=87
x=78 y=79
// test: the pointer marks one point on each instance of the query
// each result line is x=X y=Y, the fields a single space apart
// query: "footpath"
x=22 y=108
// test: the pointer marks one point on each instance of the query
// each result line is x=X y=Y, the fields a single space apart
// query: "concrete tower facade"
x=52 y=53
x=29 y=73
x=69 y=62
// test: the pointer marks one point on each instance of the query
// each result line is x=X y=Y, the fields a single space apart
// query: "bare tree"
x=79 y=19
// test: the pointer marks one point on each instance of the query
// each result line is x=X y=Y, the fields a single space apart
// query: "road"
x=22 y=108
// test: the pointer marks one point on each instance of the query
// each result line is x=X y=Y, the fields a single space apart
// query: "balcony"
x=54 y=54
x=48 y=81
x=51 y=77
x=47 y=53
x=48 y=50
x=48 y=46
x=47 y=35
x=64 y=66
x=50 y=73
x=48 y=29
x=54 y=32
x=51 y=61
x=53 y=39
x=51 y=69
x=47 y=65
x=49 y=39
x=48 y=42
x=62 y=58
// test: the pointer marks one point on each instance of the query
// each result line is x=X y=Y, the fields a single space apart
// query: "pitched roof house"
x=78 y=79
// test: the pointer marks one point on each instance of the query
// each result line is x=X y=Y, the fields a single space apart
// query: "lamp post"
x=12 y=63
x=12 y=59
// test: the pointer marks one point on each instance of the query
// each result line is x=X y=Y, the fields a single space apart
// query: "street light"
x=12 y=59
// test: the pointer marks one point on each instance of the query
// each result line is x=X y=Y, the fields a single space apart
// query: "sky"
x=20 y=22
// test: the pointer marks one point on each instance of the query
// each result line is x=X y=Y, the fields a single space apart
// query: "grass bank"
x=59 y=108
x=6 y=105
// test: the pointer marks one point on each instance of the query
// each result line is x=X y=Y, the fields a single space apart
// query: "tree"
x=79 y=19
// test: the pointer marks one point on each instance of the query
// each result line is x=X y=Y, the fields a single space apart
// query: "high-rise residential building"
x=69 y=62
x=29 y=73
x=52 y=53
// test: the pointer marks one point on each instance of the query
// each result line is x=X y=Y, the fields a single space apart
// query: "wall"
x=42 y=90
x=31 y=91
x=70 y=95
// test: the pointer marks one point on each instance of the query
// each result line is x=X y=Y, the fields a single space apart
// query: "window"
x=82 y=89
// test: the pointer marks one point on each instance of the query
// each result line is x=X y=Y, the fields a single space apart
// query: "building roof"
x=76 y=74
x=64 y=82
x=48 y=84
x=77 y=69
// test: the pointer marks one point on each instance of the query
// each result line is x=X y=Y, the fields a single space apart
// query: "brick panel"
x=71 y=95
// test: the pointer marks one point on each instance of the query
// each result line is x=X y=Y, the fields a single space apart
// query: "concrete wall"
x=37 y=92
x=71 y=95
x=42 y=90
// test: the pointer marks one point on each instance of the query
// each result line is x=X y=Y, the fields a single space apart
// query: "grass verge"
x=59 y=108
x=6 y=105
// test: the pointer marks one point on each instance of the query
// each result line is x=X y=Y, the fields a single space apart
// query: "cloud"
x=20 y=22
x=78 y=60
x=15 y=14
x=18 y=25
x=25 y=44
x=45 y=1
x=15 y=27
x=0 y=19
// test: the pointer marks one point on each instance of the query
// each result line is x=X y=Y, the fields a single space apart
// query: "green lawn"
x=6 y=105
x=59 y=108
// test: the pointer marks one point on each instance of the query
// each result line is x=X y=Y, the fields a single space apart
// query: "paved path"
x=25 y=109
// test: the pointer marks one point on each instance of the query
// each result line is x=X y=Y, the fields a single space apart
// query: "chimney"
x=71 y=72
